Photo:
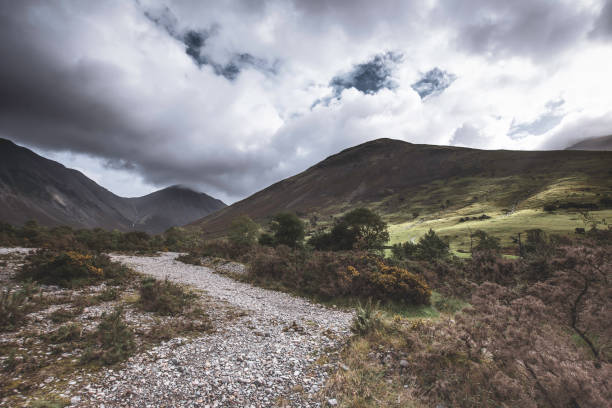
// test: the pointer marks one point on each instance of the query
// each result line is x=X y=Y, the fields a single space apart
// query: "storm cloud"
x=219 y=95
x=195 y=41
x=433 y=82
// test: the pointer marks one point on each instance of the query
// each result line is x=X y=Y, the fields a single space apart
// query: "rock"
x=332 y=402
x=75 y=400
x=403 y=363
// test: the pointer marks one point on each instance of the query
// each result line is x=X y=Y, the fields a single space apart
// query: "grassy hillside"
x=417 y=187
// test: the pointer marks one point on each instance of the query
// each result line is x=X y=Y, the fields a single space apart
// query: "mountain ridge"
x=593 y=143
x=398 y=178
x=34 y=187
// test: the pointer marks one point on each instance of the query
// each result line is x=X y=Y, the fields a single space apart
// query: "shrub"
x=392 y=282
x=218 y=249
x=368 y=317
x=358 y=229
x=606 y=202
x=333 y=274
x=115 y=340
x=108 y=294
x=64 y=314
x=71 y=269
x=432 y=247
x=163 y=297
x=274 y=263
x=406 y=250
x=190 y=258
x=65 y=334
x=12 y=307
x=266 y=239
x=486 y=242
x=288 y=230
x=243 y=231
x=134 y=240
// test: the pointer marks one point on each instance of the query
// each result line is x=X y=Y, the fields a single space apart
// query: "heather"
x=536 y=333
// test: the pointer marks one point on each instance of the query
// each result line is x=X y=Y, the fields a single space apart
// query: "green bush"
x=190 y=258
x=429 y=248
x=64 y=314
x=368 y=318
x=486 y=242
x=108 y=294
x=288 y=230
x=65 y=334
x=114 y=340
x=358 y=229
x=243 y=231
x=338 y=274
x=163 y=297
x=12 y=307
x=72 y=269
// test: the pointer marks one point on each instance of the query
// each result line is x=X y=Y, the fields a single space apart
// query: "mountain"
x=594 y=143
x=33 y=187
x=175 y=205
x=403 y=181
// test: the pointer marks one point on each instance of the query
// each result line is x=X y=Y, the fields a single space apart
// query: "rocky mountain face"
x=33 y=187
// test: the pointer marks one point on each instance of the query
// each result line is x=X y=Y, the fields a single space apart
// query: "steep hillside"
x=175 y=205
x=594 y=143
x=32 y=187
x=417 y=183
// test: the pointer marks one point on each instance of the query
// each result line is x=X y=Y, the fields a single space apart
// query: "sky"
x=229 y=97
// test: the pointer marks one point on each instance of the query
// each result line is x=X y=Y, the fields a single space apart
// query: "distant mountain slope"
x=175 y=205
x=32 y=187
x=400 y=179
x=594 y=143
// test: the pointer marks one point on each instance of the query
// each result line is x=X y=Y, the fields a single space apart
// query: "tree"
x=288 y=229
x=486 y=242
x=243 y=231
x=366 y=229
x=360 y=228
x=431 y=247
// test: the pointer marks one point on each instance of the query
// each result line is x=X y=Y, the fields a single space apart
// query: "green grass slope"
x=417 y=187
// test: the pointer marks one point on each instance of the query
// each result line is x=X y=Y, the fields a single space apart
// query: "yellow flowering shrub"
x=71 y=268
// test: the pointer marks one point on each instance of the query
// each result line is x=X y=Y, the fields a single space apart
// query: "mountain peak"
x=33 y=187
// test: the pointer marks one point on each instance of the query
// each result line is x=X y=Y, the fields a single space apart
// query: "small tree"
x=360 y=228
x=431 y=247
x=367 y=228
x=288 y=230
x=243 y=231
x=486 y=242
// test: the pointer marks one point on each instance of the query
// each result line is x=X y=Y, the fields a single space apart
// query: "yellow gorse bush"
x=392 y=282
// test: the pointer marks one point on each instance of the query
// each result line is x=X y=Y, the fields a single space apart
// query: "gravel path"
x=269 y=357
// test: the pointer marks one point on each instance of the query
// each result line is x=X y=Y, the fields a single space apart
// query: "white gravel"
x=266 y=358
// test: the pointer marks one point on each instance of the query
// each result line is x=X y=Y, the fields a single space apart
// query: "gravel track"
x=267 y=357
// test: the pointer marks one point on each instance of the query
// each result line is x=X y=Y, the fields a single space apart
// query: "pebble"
x=235 y=365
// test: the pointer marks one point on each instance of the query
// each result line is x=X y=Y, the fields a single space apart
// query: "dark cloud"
x=433 y=82
x=370 y=76
x=542 y=124
x=195 y=41
x=165 y=92
x=88 y=106
x=501 y=28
